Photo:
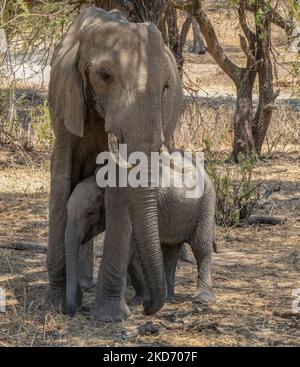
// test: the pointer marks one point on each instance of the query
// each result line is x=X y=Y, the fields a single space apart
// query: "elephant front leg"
x=110 y=304
x=56 y=264
x=59 y=194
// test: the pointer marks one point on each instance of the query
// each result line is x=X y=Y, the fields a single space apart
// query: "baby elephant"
x=181 y=219
x=86 y=219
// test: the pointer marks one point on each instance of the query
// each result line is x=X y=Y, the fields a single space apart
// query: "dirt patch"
x=254 y=275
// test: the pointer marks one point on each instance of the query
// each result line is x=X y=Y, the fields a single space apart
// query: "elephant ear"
x=172 y=108
x=66 y=95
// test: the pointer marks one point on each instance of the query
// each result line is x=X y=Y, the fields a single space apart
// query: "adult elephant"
x=111 y=81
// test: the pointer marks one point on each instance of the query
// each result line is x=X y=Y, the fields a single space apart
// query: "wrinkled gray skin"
x=180 y=220
x=110 y=76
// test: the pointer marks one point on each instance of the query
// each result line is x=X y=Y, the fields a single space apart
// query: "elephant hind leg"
x=170 y=256
x=202 y=246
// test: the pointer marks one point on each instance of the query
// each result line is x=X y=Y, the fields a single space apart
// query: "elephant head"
x=120 y=74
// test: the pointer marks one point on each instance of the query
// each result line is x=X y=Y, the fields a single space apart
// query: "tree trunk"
x=243 y=137
x=162 y=26
x=124 y=5
x=183 y=35
x=173 y=31
x=137 y=11
x=148 y=11
x=198 y=47
x=177 y=38
x=264 y=111
x=181 y=42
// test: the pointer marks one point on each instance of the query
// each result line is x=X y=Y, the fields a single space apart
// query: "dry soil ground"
x=255 y=274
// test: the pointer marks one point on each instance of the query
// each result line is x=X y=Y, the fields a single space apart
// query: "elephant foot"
x=204 y=296
x=137 y=300
x=55 y=299
x=110 y=311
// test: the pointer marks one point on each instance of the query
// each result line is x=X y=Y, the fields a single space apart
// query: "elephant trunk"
x=144 y=217
x=72 y=242
x=143 y=213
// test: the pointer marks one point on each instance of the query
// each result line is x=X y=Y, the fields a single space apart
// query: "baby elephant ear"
x=66 y=95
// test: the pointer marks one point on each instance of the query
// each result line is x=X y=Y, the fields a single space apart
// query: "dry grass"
x=207 y=125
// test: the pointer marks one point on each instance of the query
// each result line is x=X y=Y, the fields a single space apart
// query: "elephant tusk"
x=175 y=166
x=114 y=150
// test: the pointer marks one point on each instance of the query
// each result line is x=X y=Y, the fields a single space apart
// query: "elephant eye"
x=105 y=75
x=166 y=87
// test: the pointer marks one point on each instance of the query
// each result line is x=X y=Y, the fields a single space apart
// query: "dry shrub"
x=206 y=125
x=284 y=131
x=24 y=117
x=237 y=192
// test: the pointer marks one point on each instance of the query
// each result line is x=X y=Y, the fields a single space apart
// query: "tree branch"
x=273 y=16
x=249 y=50
x=243 y=22
x=213 y=44
x=183 y=34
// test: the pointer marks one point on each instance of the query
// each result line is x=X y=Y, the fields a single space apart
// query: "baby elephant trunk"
x=73 y=240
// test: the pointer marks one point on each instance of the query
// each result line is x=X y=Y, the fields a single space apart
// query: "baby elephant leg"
x=135 y=272
x=170 y=256
x=202 y=243
x=202 y=246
